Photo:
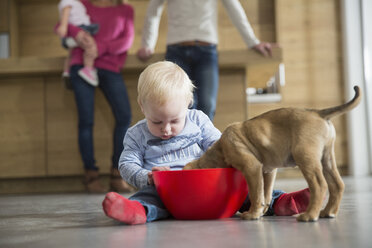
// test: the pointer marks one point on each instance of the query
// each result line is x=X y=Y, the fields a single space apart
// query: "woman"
x=115 y=37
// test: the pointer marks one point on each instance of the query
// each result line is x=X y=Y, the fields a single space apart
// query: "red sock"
x=120 y=208
x=292 y=203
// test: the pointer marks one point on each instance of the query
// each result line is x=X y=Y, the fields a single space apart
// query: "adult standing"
x=192 y=41
x=113 y=40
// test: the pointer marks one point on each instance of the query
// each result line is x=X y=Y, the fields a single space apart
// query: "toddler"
x=170 y=136
x=73 y=12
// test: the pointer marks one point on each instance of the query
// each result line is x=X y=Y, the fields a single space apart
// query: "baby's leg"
x=66 y=65
x=149 y=198
x=88 y=73
x=66 y=72
x=120 y=208
x=292 y=203
x=87 y=43
x=284 y=204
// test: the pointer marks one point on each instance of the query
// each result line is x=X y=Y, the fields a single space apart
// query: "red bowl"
x=201 y=194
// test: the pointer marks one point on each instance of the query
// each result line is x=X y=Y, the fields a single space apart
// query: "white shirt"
x=190 y=20
x=78 y=14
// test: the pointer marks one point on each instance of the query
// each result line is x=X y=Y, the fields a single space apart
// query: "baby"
x=170 y=136
x=73 y=12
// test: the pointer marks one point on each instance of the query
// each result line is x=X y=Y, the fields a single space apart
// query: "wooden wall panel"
x=4 y=16
x=63 y=151
x=230 y=109
x=36 y=21
x=131 y=80
x=310 y=38
x=14 y=29
x=22 y=127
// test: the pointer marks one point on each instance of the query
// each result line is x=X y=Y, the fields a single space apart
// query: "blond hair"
x=162 y=81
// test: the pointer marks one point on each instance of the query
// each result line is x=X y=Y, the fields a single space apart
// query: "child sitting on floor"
x=170 y=135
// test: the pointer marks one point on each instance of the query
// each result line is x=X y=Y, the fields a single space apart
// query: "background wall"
x=307 y=31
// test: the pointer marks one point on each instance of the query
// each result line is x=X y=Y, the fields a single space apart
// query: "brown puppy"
x=281 y=138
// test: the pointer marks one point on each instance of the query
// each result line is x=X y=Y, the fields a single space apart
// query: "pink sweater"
x=114 y=38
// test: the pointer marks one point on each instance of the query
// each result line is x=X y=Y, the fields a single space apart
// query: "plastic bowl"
x=201 y=194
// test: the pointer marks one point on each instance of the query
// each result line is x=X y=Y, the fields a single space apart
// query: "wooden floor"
x=77 y=220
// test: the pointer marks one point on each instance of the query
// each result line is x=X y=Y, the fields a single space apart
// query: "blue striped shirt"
x=142 y=150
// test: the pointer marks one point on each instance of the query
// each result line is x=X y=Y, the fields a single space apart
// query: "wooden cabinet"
x=22 y=127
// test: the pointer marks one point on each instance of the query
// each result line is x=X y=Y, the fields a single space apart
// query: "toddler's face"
x=168 y=120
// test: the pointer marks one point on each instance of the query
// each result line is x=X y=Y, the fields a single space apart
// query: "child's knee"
x=85 y=40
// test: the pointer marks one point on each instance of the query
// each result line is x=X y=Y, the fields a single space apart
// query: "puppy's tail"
x=338 y=110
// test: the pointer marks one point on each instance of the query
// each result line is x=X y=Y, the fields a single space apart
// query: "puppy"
x=281 y=138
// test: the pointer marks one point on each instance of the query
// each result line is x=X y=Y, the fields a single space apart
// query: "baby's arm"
x=63 y=25
x=150 y=179
x=131 y=160
x=134 y=174
x=210 y=133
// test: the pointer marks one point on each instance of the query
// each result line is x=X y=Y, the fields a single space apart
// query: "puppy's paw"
x=326 y=214
x=305 y=217
x=248 y=215
x=266 y=208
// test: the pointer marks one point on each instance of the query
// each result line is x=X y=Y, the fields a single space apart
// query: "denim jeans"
x=201 y=65
x=149 y=198
x=113 y=88
x=92 y=29
x=156 y=210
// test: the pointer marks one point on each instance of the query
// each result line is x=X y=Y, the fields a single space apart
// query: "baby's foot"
x=89 y=75
x=292 y=203
x=120 y=208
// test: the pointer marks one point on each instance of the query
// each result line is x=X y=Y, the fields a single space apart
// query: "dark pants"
x=113 y=88
x=201 y=65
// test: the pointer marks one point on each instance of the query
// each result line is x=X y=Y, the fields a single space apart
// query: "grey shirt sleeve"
x=209 y=132
x=131 y=160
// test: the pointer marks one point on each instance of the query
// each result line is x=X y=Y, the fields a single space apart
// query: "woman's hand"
x=61 y=31
x=150 y=179
x=144 y=53
x=265 y=48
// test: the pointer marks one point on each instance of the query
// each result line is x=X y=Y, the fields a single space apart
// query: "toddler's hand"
x=61 y=31
x=150 y=179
